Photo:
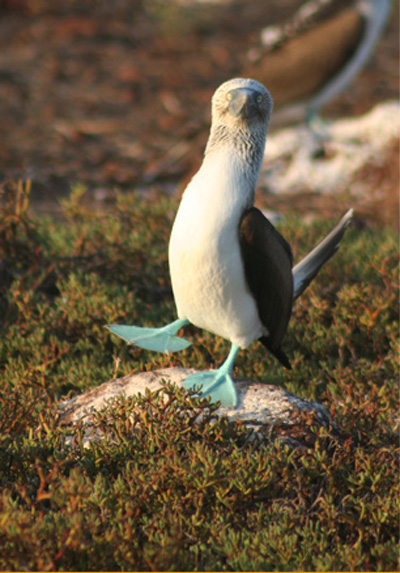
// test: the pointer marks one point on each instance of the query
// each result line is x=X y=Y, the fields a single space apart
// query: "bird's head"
x=241 y=110
x=240 y=102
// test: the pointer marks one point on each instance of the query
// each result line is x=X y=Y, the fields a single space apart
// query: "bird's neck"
x=241 y=153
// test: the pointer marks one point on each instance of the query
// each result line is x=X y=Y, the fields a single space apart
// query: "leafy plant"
x=169 y=486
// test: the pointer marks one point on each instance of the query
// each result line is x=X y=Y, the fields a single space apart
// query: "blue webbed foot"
x=217 y=384
x=157 y=339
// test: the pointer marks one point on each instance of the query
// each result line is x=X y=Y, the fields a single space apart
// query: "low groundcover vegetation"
x=159 y=491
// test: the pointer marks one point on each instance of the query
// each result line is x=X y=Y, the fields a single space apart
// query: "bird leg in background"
x=317 y=126
x=217 y=384
x=162 y=339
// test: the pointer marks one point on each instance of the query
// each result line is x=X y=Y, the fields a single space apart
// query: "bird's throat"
x=243 y=144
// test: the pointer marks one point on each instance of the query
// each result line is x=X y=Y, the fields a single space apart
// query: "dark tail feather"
x=307 y=269
x=277 y=352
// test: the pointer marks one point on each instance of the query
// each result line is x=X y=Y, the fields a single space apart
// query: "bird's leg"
x=318 y=128
x=217 y=384
x=157 y=339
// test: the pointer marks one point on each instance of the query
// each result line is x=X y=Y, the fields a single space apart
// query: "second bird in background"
x=310 y=60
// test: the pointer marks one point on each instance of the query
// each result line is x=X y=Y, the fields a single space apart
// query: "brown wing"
x=322 y=51
x=268 y=260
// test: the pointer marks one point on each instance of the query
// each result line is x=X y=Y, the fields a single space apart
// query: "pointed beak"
x=243 y=103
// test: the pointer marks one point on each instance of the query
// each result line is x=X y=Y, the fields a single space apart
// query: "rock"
x=261 y=406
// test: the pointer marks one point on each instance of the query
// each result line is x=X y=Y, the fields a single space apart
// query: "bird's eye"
x=228 y=96
x=259 y=98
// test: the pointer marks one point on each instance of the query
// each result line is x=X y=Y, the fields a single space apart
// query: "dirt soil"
x=117 y=94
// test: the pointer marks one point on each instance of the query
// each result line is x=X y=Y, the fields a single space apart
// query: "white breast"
x=206 y=267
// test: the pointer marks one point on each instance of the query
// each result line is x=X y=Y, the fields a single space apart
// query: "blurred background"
x=117 y=93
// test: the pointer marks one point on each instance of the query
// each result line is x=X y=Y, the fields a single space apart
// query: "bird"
x=231 y=271
x=311 y=59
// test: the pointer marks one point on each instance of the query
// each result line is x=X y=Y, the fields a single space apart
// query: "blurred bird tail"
x=308 y=268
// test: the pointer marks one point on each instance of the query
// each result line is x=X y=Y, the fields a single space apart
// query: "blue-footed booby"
x=310 y=60
x=231 y=270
